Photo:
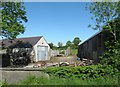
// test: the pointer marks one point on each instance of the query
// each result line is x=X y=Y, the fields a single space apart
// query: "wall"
x=92 y=48
x=15 y=77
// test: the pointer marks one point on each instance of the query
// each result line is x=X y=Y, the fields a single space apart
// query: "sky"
x=58 y=21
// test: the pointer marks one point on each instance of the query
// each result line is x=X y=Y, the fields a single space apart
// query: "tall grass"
x=32 y=80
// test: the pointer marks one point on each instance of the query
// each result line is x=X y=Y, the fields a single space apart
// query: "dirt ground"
x=60 y=59
x=56 y=60
x=63 y=59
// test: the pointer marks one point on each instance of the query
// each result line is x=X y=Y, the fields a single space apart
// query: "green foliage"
x=112 y=43
x=13 y=15
x=104 y=12
x=32 y=80
x=68 y=43
x=74 y=51
x=112 y=55
x=73 y=45
x=60 y=44
x=83 y=72
x=76 y=41
x=3 y=84
x=51 y=45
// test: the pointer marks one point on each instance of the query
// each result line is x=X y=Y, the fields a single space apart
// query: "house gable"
x=42 y=42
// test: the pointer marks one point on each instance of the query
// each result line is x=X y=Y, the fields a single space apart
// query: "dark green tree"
x=76 y=41
x=51 y=45
x=68 y=44
x=60 y=44
x=13 y=16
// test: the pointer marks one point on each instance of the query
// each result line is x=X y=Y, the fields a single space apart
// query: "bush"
x=83 y=72
x=112 y=55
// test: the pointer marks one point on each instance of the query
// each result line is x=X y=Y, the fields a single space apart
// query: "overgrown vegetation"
x=3 y=84
x=32 y=80
x=112 y=55
x=107 y=17
x=112 y=44
x=82 y=75
x=83 y=72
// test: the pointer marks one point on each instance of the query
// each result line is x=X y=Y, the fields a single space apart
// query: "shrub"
x=83 y=72
x=112 y=54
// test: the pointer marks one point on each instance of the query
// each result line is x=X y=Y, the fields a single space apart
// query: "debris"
x=64 y=64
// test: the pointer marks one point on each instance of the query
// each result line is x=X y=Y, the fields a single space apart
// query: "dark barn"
x=93 y=48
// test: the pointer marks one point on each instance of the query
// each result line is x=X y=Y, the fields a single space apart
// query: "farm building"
x=37 y=47
x=94 y=47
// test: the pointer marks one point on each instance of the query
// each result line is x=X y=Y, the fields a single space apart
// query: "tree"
x=105 y=13
x=107 y=17
x=76 y=41
x=60 y=44
x=68 y=44
x=13 y=16
x=51 y=45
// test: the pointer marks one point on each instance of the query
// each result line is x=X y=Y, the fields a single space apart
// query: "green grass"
x=3 y=83
x=32 y=80
x=74 y=51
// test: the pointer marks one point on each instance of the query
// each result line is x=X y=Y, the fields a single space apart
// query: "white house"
x=41 y=50
x=38 y=45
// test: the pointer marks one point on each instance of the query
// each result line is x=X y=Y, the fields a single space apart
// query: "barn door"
x=42 y=53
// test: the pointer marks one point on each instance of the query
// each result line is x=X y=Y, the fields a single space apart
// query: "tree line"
x=72 y=44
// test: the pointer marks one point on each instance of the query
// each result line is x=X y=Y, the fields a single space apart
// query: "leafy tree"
x=13 y=16
x=60 y=44
x=76 y=41
x=105 y=13
x=51 y=45
x=107 y=17
x=68 y=43
x=112 y=53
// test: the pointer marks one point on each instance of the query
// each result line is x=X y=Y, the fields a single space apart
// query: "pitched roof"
x=31 y=40
x=96 y=34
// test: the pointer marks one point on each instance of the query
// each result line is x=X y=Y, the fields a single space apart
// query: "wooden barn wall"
x=92 y=48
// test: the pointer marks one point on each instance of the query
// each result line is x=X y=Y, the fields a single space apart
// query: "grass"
x=74 y=51
x=32 y=80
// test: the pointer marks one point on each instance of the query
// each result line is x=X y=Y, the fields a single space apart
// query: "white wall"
x=41 y=42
